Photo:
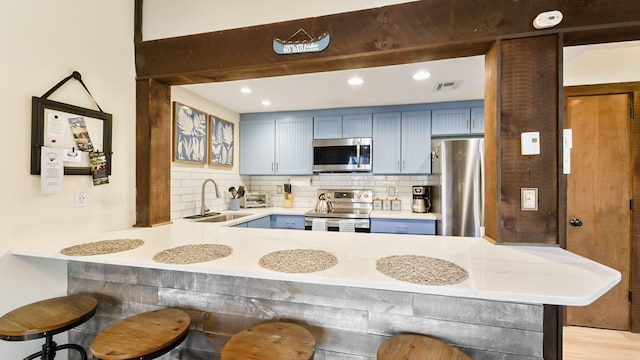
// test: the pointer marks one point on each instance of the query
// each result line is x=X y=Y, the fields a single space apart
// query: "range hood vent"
x=448 y=85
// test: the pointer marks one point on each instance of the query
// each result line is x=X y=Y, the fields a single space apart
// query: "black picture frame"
x=98 y=122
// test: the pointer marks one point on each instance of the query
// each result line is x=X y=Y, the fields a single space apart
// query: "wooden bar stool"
x=143 y=336
x=270 y=341
x=47 y=318
x=413 y=347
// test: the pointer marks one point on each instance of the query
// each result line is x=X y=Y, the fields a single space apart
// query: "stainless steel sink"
x=222 y=217
x=199 y=216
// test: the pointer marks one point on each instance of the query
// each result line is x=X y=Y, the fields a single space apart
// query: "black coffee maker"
x=421 y=199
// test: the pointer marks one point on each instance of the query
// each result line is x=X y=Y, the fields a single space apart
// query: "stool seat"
x=414 y=347
x=47 y=318
x=270 y=341
x=143 y=336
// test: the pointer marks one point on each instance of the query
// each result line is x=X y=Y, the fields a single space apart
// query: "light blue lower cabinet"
x=261 y=223
x=287 y=222
x=275 y=222
x=403 y=226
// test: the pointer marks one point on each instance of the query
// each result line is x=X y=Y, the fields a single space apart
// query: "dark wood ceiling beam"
x=411 y=32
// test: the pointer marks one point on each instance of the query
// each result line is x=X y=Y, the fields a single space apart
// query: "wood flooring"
x=582 y=343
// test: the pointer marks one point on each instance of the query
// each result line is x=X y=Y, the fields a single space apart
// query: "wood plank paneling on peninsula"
x=348 y=323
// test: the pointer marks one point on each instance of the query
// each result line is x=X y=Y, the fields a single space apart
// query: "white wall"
x=43 y=42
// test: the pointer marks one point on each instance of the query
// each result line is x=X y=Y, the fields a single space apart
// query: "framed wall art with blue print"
x=189 y=134
x=221 y=142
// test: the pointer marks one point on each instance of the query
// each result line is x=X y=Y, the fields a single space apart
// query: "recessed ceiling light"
x=421 y=75
x=266 y=102
x=246 y=90
x=355 y=81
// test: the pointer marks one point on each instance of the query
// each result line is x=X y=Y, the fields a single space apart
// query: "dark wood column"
x=522 y=95
x=153 y=153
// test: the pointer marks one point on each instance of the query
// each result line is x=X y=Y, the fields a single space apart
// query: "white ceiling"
x=389 y=85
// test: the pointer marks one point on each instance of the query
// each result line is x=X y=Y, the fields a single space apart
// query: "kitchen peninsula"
x=497 y=312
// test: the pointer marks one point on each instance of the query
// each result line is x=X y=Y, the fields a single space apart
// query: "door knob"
x=575 y=222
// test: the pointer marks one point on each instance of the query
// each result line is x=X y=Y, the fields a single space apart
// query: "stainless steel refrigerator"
x=460 y=196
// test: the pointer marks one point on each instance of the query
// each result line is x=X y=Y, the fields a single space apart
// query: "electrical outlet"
x=529 y=199
x=392 y=191
x=80 y=198
x=279 y=189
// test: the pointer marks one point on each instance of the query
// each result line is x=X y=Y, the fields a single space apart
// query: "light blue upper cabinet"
x=338 y=126
x=387 y=135
x=451 y=122
x=416 y=142
x=402 y=142
x=276 y=146
x=327 y=127
x=355 y=126
x=281 y=143
x=477 y=120
x=257 y=147
x=294 y=146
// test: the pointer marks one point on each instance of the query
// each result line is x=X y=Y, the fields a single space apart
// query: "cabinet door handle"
x=575 y=222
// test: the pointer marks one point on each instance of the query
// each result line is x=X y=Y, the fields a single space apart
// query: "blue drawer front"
x=395 y=226
x=288 y=222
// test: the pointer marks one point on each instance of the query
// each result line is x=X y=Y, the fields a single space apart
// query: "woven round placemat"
x=421 y=270
x=102 y=247
x=190 y=254
x=298 y=261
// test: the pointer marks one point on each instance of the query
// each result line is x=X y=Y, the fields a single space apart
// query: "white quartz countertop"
x=526 y=274
x=405 y=214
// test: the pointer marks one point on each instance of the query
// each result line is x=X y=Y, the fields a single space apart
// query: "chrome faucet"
x=203 y=208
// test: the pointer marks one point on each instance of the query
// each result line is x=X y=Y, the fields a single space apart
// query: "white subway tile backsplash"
x=186 y=187
x=179 y=175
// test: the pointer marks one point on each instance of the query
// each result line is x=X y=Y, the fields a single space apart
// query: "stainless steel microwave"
x=342 y=155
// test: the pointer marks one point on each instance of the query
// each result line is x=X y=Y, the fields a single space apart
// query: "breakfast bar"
x=494 y=310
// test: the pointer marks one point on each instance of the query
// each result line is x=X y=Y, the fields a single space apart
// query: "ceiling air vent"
x=448 y=85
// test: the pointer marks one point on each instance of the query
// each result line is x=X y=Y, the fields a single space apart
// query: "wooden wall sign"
x=289 y=46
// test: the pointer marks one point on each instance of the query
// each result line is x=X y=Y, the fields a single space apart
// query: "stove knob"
x=366 y=195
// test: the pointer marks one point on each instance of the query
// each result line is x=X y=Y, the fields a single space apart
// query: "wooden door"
x=598 y=196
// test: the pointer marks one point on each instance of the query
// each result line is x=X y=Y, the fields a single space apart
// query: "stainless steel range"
x=352 y=205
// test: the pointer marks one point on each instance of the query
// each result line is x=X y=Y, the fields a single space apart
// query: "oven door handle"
x=334 y=223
